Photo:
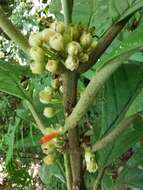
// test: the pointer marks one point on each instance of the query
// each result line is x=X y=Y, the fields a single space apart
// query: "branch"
x=92 y=90
x=7 y=26
x=67 y=9
x=103 y=44
x=97 y=182
x=116 y=132
x=36 y=117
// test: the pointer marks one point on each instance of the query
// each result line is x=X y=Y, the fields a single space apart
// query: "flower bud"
x=73 y=48
x=37 y=68
x=52 y=66
x=48 y=147
x=71 y=63
x=92 y=47
x=37 y=54
x=91 y=164
x=35 y=39
x=61 y=89
x=49 y=112
x=55 y=83
x=56 y=42
x=49 y=159
x=46 y=34
x=86 y=39
x=84 y=57
x=58 y=26
x=45 y=95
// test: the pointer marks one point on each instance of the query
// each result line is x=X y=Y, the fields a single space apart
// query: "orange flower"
x=49 y=137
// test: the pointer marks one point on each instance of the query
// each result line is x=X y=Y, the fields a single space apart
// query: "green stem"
x=98 y=179
x=38 y=121
x=114 y=134
x=67 y=9
x=68 y=171
x=7 y=26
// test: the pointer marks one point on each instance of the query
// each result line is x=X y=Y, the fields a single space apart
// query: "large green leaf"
x=117 y=7
x=10 y=77
x=119 y=93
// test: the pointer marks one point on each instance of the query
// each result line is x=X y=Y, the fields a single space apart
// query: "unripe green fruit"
x=58 y=26
x=46 y=34
x=37 y=54
x=37 y=68
x=52 y=66
x=35 y=39
x=55 y=83
x=85 y=40
x=73 y=48
x=49 y=112
x=83 y=57
x=46 y=95
x=56 y=42
x=71 y=63
x=49 y=160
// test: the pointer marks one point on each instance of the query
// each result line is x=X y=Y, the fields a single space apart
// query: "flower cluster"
x=49 y=145
x=59 y=44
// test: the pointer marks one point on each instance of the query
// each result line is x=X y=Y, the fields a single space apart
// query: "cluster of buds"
x=91 y=164
x=59 y=44
x=47 y=95
x=48 y=145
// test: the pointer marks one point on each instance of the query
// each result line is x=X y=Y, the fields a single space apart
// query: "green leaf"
x=52 y=177
x=131 y=10
x=119 y=93
x=55 y=7
x=118 y=7
x=10 y=140
x=10 y=76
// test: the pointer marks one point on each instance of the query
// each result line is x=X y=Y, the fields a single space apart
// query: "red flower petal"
x=49 y=137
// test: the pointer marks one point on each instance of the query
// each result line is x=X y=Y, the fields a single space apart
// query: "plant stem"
x=69 y=94
x=116 y=132
x=68 y=171
x=98 y=179
x=8 y=27
x=38 y=121
x=67 y=9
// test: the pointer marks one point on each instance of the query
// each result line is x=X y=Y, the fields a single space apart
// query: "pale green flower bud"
x=58 y=26
x=37 y=54
x=52 y=65
x=92 y=47
x=35 y=39
x=86 y=39
x=55 y=83
x=49 y=112
x=71 y=63
x=37 y=68
x=91 y=164
x=56 y=42
x=48 y=147
x=84 y=57
x=46 y=34
x=73 y=48
x=46 y=95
